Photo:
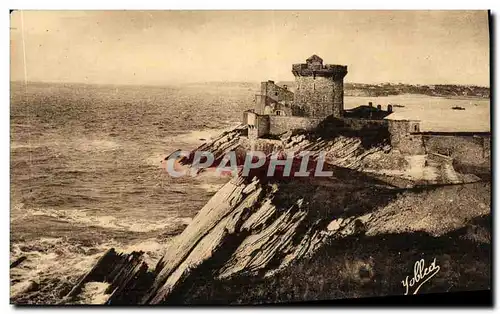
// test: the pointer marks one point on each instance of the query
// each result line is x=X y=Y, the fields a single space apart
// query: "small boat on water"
x=458 y=108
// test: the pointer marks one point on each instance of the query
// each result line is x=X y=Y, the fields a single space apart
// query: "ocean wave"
x=86 y=144
x=51 y=263
x=211 y=187
x=52 y=266
x=90 y=218
x=202 y=136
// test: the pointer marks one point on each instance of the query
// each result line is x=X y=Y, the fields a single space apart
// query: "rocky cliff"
x=254 y=229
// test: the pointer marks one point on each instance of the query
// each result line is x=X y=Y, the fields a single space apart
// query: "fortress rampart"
x=318 y=106
x=282 y=124
x=334 y=71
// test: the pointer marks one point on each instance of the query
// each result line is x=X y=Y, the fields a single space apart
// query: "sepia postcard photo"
x=248 y=157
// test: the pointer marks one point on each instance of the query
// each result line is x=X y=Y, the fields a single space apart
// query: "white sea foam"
x=94 y=293
x=46 y=259
x=90 y=218
x=53 y=263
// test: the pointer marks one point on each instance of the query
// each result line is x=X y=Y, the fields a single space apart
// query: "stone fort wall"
x=403 y=140
x=319 y=91
x=266 y=146
x=258 y=125
x=282 y=124
x=318 y=97
x=362 y=124
x=466 y=150
x=271 y=94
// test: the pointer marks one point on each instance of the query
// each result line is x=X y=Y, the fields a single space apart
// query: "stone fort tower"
x=320 y=88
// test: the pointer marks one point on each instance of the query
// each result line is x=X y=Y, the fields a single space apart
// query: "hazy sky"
x=164 y=47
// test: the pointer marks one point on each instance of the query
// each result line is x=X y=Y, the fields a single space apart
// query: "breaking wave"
x=90 y=218
x=52 y=266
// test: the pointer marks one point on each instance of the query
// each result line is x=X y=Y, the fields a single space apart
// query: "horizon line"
x=240 y=82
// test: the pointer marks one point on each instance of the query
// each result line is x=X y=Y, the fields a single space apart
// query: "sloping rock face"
x=268 y=224
x=220 y=217
x=368 y=253
x=375 y=159
x=254 y=227
x=258 y=229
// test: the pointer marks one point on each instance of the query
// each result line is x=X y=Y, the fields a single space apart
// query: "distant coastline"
x=441 y=90
x=478 y=98
x=350 y=89
x=394 y=89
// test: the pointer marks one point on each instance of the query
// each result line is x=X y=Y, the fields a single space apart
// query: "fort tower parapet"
x=320 y=88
